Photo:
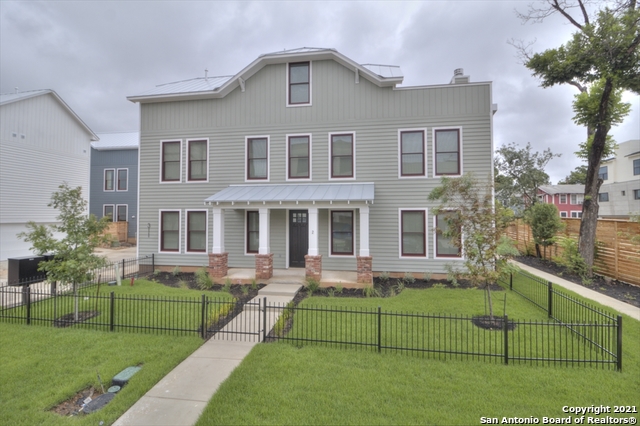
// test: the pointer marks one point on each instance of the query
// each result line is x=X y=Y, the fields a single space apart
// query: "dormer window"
x=299 y=82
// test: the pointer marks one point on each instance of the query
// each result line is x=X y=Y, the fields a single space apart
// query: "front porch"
x=347 y=279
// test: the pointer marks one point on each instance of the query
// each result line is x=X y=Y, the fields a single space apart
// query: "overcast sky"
x=96 y=53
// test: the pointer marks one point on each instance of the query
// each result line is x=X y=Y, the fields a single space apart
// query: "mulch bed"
x=69 y=319
x=72 y=406
x=619 y=290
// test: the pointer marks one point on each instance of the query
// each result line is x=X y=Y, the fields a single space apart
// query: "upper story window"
x=447 y=152
x=171 y=161
x=603 y=196
x=446 y=246
x=603 y=173
x=342 y=155
x=123 y=179
x=413 y=234
x=636 y=167
x=299 y=83
x=563 y=198
x=198 y=160
x=299 y=157
x=577 y=198
x=258 y=158
x=109 y=179
x=412 y=156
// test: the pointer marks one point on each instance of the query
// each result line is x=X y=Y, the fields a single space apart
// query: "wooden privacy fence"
x=118 y=231
x=616 y=257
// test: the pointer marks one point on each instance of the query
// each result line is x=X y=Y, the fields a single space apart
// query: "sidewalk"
x=181 y=396
x=603 y=299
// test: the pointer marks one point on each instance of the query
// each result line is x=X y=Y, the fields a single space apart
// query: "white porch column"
x=364 y=231
x=263 y=247
x=313 y=232
x=218 y=231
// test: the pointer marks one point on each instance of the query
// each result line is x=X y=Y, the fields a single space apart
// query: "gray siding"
x=116 y=159
x=339 y=105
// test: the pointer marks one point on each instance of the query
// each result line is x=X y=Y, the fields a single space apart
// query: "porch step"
x=280 y=289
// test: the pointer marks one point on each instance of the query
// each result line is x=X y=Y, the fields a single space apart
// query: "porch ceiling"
x=324 y=192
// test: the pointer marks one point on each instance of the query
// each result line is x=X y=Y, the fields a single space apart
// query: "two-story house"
x=619 y=194
x=43 y=143
x=306 y=159
x=567 y=198
x=114 y=179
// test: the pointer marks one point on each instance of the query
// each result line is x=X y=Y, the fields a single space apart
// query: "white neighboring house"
x=43 y=143
x=619 y=194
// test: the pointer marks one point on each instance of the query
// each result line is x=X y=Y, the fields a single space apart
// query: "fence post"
x=153 y=262
x=112 y=306
x=123 y=269
x=27 y=294
x=506 y=339
x=510 y=281
x=379 y=330
x=550 y=299
x=203 y=325
x=619 y=365
x=264 y=319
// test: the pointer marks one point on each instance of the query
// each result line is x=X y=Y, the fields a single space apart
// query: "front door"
x=298 y=237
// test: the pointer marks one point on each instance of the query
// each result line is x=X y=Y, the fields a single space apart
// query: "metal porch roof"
x=294 y=192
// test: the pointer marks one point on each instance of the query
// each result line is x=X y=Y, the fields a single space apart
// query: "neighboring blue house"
x=114 y=178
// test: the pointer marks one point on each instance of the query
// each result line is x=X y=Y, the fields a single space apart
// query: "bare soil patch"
x=73 y=405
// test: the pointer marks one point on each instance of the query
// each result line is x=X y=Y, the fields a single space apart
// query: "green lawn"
x=280 y=383
x=43 y=366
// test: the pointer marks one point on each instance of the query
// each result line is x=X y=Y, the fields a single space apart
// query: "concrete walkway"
x=181 y=396
x=603 y=299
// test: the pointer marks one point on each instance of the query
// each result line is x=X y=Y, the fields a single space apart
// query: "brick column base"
x=313 y=267
x=365 y=269
x=264 y=266
x=218 y=264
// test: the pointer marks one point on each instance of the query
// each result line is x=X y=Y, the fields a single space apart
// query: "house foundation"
x=313 y=267
x=365 y=269
x=264 y=266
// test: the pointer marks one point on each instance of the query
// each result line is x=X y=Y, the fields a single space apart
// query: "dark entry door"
x=298 y=237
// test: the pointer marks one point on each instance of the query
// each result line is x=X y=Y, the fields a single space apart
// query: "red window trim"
x=162 y=231
x=189 y=160
x=164 y=162
x=424 y=234
x=308 y=83
x=353 y=166
x=435 y=154
x=340 y=253
x=249 y=140
x=249 y=232
x=402 y=154
x=438 y=235
x=308 y=157
x=189 y=249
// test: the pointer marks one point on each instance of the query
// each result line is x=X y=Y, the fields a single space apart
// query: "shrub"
x=371 y=291
x=203 y=279
x=426 y=276
x=254 y=284
x=339 y=288
x=408 y=278
x=227 y=285
x=384 y=277
x=571 y=258
x=183 y=284
x=312 y=285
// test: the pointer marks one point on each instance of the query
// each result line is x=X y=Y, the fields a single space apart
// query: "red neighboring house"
x=567 y=198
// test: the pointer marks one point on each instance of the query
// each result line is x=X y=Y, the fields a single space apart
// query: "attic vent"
x=458 y=71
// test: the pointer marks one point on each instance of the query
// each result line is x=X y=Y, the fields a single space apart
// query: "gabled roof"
x=113 y=141
x=219 y=87
x=562 y=189
x=8 y=98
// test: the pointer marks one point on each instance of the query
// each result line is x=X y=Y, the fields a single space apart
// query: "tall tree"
x=578 y=176
x=520 y=173
x=601 y=60
x=80 y=234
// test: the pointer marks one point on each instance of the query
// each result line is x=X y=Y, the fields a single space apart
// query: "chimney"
x=459 y=77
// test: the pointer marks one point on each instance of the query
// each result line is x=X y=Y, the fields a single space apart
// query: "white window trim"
x=186 y=230
x=563 y=214
x=246 y=230
x=578 y=213
x=115 y=180
x=113 y=206
x=287 y=178
x=566 y=196
x=126 y=213
x=579 y=199
x=433 y=150
x=162 y=142
x=355 y=239
x=435 y=240
x=160 y=231
x=330 y=150
x=310 y=85
x=246 y=158
x=426 y=232
x=206 y=180
x=116 y=185
x=424 y=153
